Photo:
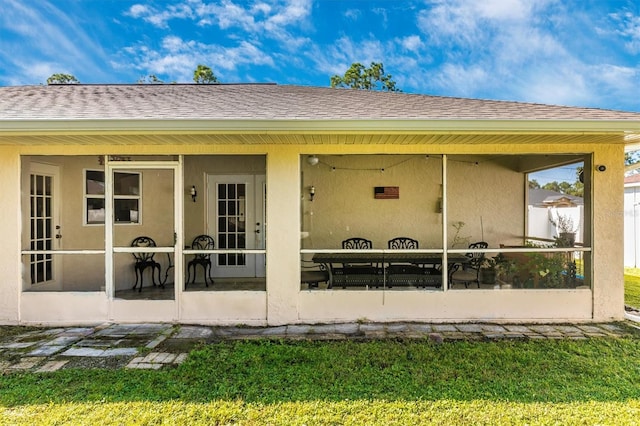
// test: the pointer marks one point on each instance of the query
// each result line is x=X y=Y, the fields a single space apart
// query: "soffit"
x=310 y=139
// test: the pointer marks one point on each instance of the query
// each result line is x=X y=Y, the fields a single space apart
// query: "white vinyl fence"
x=541 y=221
x=632 y=226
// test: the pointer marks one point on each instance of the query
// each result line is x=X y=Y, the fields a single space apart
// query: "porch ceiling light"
x=313 y=160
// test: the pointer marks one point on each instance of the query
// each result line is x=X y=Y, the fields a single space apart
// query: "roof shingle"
x=266 y=102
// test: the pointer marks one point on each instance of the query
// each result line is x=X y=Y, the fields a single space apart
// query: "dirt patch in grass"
x=7 y=331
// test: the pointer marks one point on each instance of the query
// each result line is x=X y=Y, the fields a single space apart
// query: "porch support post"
x=283 y=235
x=608 y=232
x=10 y=213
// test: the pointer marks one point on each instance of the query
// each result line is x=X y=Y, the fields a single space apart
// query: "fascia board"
x=416 y=126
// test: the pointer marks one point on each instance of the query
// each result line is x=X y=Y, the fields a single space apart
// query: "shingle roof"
x=632 y=179
x=266 y=102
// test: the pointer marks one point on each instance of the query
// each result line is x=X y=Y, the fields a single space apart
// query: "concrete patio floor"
x=156 y=346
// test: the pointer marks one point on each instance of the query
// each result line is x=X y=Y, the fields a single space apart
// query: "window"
x=126 y=197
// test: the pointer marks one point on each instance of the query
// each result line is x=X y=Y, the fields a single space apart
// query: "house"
x=281 y=175
x=546 y=207
x=631 y=221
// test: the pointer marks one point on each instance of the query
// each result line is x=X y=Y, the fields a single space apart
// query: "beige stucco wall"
x=488 y=197
x=608 y=233
x=10 y=225
x=285 y=303
x=196 y=169
x=344 y=205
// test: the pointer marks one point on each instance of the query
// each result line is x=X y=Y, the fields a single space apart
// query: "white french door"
x=235 y=217
x=45 y=233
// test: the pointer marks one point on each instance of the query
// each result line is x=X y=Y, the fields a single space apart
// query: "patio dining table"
x=405 y=268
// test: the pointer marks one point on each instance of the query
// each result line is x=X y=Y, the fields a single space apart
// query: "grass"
x=632 y=287
x=348 y=382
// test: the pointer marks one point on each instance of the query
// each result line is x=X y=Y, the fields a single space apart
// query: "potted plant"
x=506 y=268
x=459 y=240
x=566 y=231
x=488 y=270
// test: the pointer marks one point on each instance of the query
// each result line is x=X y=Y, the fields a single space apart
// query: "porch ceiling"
x=413 y=138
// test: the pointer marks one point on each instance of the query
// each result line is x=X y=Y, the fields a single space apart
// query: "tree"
x=360 y=77
x=631 y=157
x=60 y=78
x=150 y=79
x=533 y=184
x=204 y=75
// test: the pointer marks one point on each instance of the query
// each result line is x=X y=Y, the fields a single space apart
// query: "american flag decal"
x=386 y=192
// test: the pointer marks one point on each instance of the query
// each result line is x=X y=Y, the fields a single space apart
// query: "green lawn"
x=632 y=287
x=348 y=382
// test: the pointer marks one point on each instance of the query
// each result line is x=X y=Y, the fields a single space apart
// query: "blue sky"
x=570 y=52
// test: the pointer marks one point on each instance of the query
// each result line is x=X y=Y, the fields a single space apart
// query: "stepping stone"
x=18 y=345
x=47 y=350
x=26 y=363
x=518 y=328
x=189 y=332
x=421 y=328
x=275 y=331
x=64 y=340
x=78 y=331
x=470 y=328
x=493 y=328
x=397 y=328
x=180 y=358
x=444 y=328
x=120 y=352
x=155 y=342
x=50 y=366
x=298 y=329
x=98 y=343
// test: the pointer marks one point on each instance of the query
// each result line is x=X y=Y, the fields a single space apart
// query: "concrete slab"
x=493 y=328
x=397 y=328
x=90 y=352
x=18 y=345
x=121 y=352
x=46 y=350
x=26 y=363
x=98 y=343
x=50 y=366
x=192 y=332
x=440 y=328
x=470 y=328
x=63 y=340
x=298 y=329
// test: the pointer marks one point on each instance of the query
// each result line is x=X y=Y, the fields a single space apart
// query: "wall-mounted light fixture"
x=312 y=192
x=194 y=193
x=313 y=160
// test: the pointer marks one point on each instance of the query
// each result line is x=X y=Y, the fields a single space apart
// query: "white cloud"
x=353 y=14
x=412 y=43
x=138 y=10
x=628 y=28
x=44 y=40
x=178 y=58
x=270 y=17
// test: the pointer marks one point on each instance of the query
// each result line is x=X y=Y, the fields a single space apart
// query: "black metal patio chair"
x=145 y=260
x=470 y=272
x=201 y=242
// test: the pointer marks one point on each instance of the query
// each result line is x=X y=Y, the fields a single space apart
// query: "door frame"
x=54 y=170
x=258 y=226
x=176 y=249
